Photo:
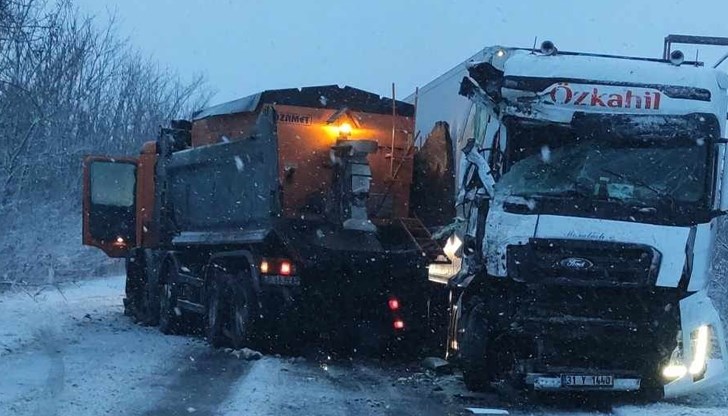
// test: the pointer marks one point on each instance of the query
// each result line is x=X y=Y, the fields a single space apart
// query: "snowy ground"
x=72 y=352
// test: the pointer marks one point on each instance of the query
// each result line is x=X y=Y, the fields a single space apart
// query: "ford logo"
x=576 y=263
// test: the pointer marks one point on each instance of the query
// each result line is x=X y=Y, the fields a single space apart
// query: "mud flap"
x=697 y=310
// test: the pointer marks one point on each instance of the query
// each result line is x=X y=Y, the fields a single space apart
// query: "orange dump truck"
x=281 y=216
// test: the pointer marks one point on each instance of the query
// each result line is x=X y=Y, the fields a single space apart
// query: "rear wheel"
x=239 y=305
x=170 y=321
x=214 y=314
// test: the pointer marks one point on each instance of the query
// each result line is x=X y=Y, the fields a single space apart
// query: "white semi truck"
x=589 y=188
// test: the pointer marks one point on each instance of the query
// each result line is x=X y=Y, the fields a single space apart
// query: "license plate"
x=281 y=280
x=576 y=380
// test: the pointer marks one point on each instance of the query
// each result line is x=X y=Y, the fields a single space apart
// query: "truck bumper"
x=700 y=367
x=705 y=367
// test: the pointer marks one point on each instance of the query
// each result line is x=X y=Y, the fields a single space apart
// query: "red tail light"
x=393 y=304
x=285 y=269
x=398 y=324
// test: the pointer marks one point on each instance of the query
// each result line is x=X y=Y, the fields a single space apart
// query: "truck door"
x=109 y=204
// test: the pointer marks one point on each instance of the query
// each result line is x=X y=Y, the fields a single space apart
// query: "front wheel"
x=473 y=336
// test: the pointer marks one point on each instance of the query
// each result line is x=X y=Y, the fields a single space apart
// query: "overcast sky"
x=246 y=46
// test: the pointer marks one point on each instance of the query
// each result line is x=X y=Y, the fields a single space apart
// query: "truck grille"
x=583 y=263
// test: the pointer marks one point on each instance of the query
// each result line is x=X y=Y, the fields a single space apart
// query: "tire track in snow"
x=201 y=384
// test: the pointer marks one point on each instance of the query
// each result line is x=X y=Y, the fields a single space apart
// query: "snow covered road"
x=73 y=352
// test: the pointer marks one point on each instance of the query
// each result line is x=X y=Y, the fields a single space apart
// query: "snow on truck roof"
x=533 y=74
x=622 y=70
x=557 y=86
x=324 y=96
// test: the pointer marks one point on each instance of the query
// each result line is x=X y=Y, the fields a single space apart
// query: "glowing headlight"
x=700 y=351
x=700 y=342
x=674 y=371
x=451 y=246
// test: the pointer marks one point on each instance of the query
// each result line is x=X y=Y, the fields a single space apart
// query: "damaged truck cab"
x=589 y=191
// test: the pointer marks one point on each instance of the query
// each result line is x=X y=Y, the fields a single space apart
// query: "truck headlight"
x=677 y=367
x=700 y=350
x=674 y=371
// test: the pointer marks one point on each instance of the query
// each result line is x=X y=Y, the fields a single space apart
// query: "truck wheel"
x=170 y=321
x=214 y=315
x=242 y=307
x=143 y=289
x=239 y=318
x=473 y=345
x=134 y=288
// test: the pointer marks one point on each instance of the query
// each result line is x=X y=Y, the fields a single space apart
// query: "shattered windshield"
x=634 y=172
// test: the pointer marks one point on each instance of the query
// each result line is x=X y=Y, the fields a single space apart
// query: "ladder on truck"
x=423 y=240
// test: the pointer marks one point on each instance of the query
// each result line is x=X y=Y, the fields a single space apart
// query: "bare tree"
x=69 y=87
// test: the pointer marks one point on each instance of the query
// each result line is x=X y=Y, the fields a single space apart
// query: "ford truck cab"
x=589 y=189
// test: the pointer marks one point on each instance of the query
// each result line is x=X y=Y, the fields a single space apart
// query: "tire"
x=133 y=285
x=136 y=301
x=170 y=322
x=151 y=293
x=240 y=306
x=473 y=347
x=172 y=319
x=214 y=305
x=231 y=306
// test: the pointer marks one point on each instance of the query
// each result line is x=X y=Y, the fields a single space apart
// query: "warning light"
x=285 y=269
x=393 y=304
x=264 y=266
x=398 y=324
x=344 y=129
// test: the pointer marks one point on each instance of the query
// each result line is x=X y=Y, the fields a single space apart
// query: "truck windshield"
x=637 y=172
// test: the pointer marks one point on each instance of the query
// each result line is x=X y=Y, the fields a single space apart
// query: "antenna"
x=697 y=53
x=720 y=61
x=394 y=121
x=535 y=39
